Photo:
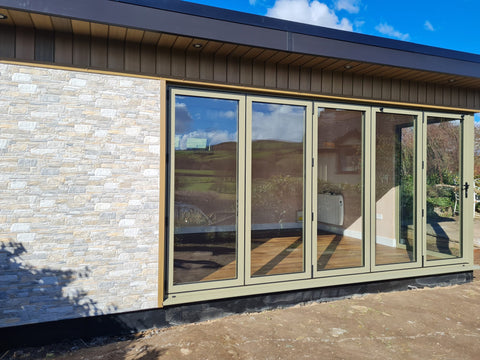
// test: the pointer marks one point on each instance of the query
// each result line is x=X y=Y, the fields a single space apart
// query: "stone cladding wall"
x=79 y=194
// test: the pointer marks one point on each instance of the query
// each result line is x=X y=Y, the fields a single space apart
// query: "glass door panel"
x=205 y=147
x=444 y=200
x=277 y=238
x=395 y=174
x=339 y=184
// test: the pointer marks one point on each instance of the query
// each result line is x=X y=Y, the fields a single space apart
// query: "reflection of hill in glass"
x=273 y=158
x=220 y=159
x=270 y=157
x=277 y=181
x=226 y=146
x=207 y=178
x=263 y=145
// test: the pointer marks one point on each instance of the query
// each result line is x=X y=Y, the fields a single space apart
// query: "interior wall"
x=79 y=194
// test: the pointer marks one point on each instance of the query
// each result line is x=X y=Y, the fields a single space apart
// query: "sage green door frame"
x=240 y=189
x=417 y=193
x=310 y=215
x=306 y=209
x=466 y=197
x=365 y=174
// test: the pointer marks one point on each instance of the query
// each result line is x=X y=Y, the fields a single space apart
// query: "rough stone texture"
x=79 y=190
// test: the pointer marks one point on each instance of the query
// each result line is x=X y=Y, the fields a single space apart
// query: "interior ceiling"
x=64 y=25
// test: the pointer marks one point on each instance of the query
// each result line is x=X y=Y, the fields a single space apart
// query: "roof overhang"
x=213 y=24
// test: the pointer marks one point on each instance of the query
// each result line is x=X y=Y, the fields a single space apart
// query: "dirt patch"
x=438 y=323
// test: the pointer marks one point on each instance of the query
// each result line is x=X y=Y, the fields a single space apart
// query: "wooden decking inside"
x=338 y=252
x=284 y=255
x=274 y=255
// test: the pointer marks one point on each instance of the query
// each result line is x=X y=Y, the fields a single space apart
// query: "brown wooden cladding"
x=117 y=49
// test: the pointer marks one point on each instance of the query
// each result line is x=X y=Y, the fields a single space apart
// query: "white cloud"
x=359 y=24
x=428 y=25
x=309 y=12
x=252 y=2
x=183 y=118
x=388 y=30
x=217 y=114
x=351 y=6
x=278 y=122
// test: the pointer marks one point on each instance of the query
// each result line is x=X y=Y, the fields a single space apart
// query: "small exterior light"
x=348 y=67
x=451 y=80
x=3 y=17
x=197 y=45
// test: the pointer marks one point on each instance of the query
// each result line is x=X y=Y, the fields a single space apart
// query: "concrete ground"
x=438 y=323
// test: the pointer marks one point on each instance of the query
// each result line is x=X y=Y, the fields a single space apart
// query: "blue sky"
x=448 y=24
x=452 y=25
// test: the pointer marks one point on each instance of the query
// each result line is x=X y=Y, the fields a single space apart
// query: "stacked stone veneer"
x=79 y=194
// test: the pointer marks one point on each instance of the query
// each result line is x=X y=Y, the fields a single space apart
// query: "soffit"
x=50 y=23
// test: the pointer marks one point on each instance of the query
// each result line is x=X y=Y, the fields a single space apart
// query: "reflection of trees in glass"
x=395 y=147
x=406 y=161
x=395 y=166
x=334 y=188
x=442 y=163
x=276 y=199
x=477 y=151
x=277 y=181
x=384 y=163
x=443 y=139
x=443 y=151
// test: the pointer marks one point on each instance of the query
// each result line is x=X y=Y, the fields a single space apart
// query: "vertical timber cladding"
x=79 y=194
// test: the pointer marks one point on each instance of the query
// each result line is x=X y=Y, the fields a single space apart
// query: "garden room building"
x=163 y=162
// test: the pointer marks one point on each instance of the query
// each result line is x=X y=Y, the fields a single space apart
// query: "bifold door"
x=278 y=185
x=207 y=172
x=266 y=189
x=449 y=188
x=340 y=192
x=397 y=188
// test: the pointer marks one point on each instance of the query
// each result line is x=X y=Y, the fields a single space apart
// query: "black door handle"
x=465 y=187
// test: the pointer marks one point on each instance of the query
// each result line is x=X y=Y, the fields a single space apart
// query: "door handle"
x=465 y=187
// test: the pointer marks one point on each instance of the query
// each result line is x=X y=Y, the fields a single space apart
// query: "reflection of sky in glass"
x=278 y=122
x=199 y=118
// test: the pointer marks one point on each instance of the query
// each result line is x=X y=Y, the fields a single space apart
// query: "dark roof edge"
x=206 y=11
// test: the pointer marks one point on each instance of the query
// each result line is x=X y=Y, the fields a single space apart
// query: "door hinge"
x=423 y=164
x=313 y=162
x=423 y=212
x=312 y=216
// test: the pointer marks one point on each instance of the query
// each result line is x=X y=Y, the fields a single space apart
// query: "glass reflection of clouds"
x=199 y=119
x=278 y=122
